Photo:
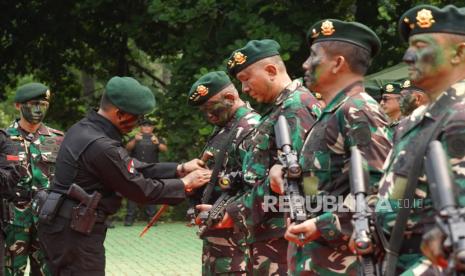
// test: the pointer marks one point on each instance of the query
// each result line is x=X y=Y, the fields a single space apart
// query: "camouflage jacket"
x=301 y=109
x=244 y=120
x=351 y=118
x=410 y=132
x=36 y=154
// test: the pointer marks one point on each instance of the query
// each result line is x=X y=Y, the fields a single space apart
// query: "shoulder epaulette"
x=56 y=131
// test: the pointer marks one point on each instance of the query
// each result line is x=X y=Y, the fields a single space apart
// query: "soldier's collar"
x=454 y=94
x=343 y=95
x=287 y=91
x=242 y=111
x=43 y=130
x=105 y=124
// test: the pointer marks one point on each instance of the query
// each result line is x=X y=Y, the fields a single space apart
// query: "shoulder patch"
x=130 y=166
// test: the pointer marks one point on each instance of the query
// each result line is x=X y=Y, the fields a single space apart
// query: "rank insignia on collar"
x=47 y=95
x=389 y=88
x=202 y=90
x=425 y=18
x=406 y=84
x=327 y=28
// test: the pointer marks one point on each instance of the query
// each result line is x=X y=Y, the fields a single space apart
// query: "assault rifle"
x=450 y=217
x=363 y=226
x=229 y=184
x=293 y=173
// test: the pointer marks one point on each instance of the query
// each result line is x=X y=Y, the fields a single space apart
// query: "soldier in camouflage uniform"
x=436 y=63
x=340 y=55
x=411 y=97
x=260 y=69
x=224 y=249
x=36 y=147
x=390 y=102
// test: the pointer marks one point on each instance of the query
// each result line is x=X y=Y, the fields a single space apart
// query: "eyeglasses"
x=386 y=98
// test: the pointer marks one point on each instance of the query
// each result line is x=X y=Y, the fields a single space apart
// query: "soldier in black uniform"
x=92 y=156
x=8 y=178
x=144 y=147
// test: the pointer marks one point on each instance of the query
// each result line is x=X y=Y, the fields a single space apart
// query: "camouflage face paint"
x=425 y=56
x=407 y=103
x=218 y=112
x=312 y=67
x=34 y=111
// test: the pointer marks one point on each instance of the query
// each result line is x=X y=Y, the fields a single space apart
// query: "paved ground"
x=166 y=249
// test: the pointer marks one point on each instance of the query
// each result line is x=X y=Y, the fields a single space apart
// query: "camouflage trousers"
x=22 y=243
x=269 y=257
x=224 y=253
x=316 y=258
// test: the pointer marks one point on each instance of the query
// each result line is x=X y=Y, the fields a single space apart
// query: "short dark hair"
x=105 y=103
x=358 y=58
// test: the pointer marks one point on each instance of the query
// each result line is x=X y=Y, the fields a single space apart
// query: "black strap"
x=218 y=165
x=397 y=233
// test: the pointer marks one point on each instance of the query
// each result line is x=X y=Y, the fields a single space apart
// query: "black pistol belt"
x=66 y=211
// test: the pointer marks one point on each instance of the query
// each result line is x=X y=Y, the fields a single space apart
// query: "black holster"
x=48 y=206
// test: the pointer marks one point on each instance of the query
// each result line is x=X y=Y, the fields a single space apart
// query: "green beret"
x=129 y=95
x=146 y=121
x=252 y=52
x=351 y=32
x=31 y=91
x=407 y=85
x=392 y=88
x=207 y=86
x=374 y=91
x=430 y=19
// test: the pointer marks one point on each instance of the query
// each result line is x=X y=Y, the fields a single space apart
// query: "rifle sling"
x=218 y=165
x=397 y=233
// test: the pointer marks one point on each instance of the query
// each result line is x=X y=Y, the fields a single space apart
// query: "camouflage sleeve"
x=368 y=129
x=453 y=141
x=249 y=210
x=365 y=127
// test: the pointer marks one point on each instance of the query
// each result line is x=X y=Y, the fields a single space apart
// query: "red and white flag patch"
x=131 y=168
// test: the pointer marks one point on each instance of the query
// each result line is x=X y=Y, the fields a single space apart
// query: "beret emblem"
x=237 y=59
x=327 y=28
x=47 y=95
x=425 y=18
x=406 y=84
x=389 y=88
x=202 y=90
